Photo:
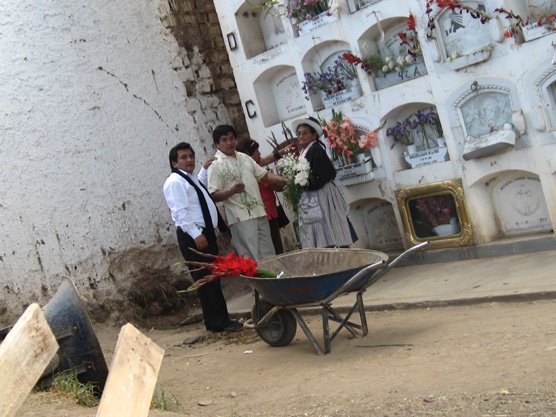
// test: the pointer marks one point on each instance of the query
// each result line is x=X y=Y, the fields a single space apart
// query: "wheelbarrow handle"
x=368 y=270
x=392 y=264
x=408 y=253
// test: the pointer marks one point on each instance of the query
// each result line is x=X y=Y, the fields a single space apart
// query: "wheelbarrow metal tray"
x=312 y=275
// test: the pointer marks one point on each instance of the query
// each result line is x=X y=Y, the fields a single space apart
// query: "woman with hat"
x=323 y=220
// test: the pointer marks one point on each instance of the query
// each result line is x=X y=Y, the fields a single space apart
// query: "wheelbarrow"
x=314 y=278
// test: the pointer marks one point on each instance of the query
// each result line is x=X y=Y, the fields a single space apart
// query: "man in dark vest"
x=196 y=217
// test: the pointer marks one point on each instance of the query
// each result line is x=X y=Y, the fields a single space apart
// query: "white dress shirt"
x=184 y=204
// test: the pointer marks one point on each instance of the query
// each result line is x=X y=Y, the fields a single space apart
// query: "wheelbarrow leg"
x=307 y=331
x=344 y=322
x=326 y=330
x=362 y=315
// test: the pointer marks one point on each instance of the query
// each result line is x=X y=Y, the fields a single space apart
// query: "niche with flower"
x=421 y=129
x=334 y=82
x=305 y=15
x=390 y=52
x=348 y=143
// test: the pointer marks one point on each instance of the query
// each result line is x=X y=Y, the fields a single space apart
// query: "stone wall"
x=93 y=96
x=196 y=28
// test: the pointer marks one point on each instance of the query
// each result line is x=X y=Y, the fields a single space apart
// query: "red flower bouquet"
x=230 y=265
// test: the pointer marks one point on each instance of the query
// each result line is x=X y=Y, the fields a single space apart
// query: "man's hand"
x=201 y=242
x=228 y=192
x=208 y=161
x=237 y=188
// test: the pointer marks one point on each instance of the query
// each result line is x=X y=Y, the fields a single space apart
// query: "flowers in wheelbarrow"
x=230 y=265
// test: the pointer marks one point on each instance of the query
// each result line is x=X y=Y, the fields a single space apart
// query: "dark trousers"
x=213 y=304
x=275 y=235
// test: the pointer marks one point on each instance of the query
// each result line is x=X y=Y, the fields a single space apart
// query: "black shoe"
x=230 y=326
x=233 y=326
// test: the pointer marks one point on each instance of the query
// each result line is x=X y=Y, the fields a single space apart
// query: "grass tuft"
x=165 y=401
x=66 y=384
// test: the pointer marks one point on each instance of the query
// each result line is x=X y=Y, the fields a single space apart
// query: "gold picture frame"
x=437 y=213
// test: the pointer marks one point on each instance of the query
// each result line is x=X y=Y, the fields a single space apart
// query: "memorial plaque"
x=520 y=205
x=426 y=157
x=461 y=33
x=288 y=96
x=382 y=229
x=486 y=113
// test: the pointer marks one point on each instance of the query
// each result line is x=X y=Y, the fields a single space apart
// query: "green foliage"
x=376 y=62
x=292 y=194
x=165 y=401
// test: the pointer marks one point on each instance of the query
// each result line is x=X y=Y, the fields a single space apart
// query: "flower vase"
x=360 y=157
x=377 y=156
x=447 y=229
x=411 y=148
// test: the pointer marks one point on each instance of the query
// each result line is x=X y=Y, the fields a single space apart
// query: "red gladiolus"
x=233 y=265
x=230 y=265
x=411 y=22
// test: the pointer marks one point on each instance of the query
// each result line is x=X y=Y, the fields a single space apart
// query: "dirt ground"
x=485 y=360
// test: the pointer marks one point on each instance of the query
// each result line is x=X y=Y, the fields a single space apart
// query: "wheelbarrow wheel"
x=279 y=330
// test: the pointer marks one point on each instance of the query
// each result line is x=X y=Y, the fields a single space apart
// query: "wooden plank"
x=24 y=354
x=132 y=377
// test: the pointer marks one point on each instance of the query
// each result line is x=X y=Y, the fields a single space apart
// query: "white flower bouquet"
x=296 y=170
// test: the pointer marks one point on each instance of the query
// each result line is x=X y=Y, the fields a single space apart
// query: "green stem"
x=263 y=273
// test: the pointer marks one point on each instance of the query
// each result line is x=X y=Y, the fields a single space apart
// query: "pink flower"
x=369 y=140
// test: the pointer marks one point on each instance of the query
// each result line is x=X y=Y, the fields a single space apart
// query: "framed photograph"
x=435 y=212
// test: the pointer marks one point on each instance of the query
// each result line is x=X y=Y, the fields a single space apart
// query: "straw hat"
x=310 y=121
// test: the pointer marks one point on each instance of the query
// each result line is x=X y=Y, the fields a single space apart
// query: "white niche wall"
x=463 y=40
x=260 y=30
x=544 y=114
x=279 y=95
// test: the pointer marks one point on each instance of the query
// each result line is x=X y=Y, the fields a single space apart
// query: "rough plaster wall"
x=92 y=96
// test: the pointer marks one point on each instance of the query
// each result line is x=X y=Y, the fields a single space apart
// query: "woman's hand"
x=288 y=149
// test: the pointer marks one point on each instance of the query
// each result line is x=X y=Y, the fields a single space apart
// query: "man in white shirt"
x=233 y=179
x=196 y=217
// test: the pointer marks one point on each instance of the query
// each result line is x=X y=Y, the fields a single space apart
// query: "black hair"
x=222 y=130
x=247 y=146
x=182 y=146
